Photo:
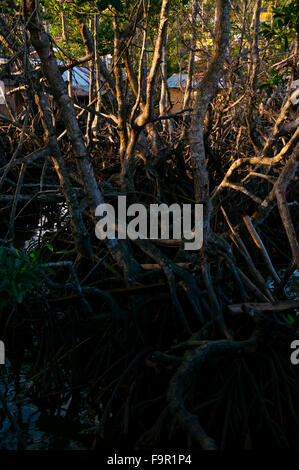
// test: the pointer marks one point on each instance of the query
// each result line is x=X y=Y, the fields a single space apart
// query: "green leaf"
x=290 y=318
x=50 y=246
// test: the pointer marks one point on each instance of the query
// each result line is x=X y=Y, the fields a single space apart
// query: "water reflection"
x=39 y=429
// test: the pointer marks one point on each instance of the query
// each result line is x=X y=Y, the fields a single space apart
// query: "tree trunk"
x=205 y=93
x=41 y=43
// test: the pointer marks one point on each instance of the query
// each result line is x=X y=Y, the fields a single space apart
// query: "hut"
x=10 y=103
x=80 y=82
x=177 y=85
x=13 y=104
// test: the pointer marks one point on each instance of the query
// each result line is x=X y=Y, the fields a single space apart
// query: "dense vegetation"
x=156 y=346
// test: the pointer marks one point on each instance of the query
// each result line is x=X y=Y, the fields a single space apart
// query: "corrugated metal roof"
x=80 y=75
x=3 y=61
x=174 y=80
x=80 y=79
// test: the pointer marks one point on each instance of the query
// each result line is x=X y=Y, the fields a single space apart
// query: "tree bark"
x=50 y=69
x=205 y=93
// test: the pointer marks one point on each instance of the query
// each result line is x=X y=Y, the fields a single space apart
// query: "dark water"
x=39 y=428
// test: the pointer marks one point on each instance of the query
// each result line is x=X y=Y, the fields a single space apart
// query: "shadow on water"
x=30 y=231
x=39 y=428
x=21 y=419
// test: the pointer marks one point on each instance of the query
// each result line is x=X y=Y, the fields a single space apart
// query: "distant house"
x=3 y=107
x=15 y=101
x=177 y=85
x=80 y=89
x=80 y=81
x=266 y=14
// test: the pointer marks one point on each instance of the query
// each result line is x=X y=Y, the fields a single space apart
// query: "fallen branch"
x=265 y=307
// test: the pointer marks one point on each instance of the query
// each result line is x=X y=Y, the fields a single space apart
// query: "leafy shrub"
x=20 y=273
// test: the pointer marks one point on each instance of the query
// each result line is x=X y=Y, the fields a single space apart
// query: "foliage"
x=20 y=273
x=273 y=81
x=285 y=24
x=80 y=7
